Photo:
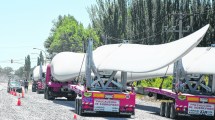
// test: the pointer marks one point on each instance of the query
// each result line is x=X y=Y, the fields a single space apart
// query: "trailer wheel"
x=38 y=92
x=76 y=106
x=70 y=99
x=45 y=96
x=167 y=110
x=172 y=111
x=162 y=108
x=80 y=107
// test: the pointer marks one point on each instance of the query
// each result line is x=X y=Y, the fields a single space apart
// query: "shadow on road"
x=187 y=117
x=64 y=102
x=148 y=108
x=108 y=115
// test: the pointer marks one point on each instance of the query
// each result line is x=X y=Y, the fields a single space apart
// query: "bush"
x=155 y=82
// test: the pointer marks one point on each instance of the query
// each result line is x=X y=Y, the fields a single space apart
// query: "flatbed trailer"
x=92 y=101
x=102 y=93
x=183 y=103
x=193 y=90
x=189 y=94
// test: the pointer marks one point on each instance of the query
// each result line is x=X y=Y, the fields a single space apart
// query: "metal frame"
x=100 y=83
x=181 y=78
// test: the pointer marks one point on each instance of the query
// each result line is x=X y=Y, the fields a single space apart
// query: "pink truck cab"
x=55 y=88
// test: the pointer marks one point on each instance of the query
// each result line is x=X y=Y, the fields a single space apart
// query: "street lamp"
x=35 y=53
x=43 y=52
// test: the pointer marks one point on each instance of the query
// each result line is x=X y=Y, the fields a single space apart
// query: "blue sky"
x=25 y=24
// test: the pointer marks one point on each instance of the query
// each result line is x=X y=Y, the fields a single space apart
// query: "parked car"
x=15 y=85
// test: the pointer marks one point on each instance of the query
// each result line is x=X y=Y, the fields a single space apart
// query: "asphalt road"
x=35 y=107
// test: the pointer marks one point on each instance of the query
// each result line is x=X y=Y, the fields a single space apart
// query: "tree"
x=68 y=34
x=38 y=61
x=145 y=20
x=7 y=70
x=41 y=58
x=27 y=66
x=20 y=72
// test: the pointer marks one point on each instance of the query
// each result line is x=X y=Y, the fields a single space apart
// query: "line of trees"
x=144 y=21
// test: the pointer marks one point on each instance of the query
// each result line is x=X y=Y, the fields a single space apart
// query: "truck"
x=96 y=87
x=38 y=81
x=55 y=88
x=193 y=86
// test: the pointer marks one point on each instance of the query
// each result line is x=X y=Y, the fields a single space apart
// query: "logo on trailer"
x=86 y=94
x=181 y=97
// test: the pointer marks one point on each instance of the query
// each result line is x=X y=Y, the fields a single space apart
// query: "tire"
x=8 y=90
x=76 y=106
x=72 y=98
x=69 y=99
x=172 y=111
x=38 y=92
x=33 y=88
x=162 y=108
x=79 y=107
x=167 y=110
x=48 y=94
x=45 y=96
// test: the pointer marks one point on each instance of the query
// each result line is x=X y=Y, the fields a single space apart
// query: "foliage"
x=155 y=82
x=144 y=21
x=20 y=72
x=68 y=34
x=40 y=59
x=27 y=66
x=7 y=70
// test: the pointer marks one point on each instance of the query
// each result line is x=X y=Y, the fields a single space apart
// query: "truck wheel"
x=167 y=110
x=48 y=94
x=162 y=108
x=70 y=99
x=172 y=111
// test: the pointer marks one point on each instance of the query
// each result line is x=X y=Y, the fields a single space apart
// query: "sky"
x=26 y=24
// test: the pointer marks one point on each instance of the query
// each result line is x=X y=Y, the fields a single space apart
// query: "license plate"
x=106 y=105
x=108 y=96
x=200 y=109
x=203 y=99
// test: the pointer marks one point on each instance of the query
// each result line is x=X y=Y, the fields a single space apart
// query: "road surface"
x=35 y=107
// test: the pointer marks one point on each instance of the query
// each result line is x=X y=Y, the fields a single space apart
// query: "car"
x=14 y=85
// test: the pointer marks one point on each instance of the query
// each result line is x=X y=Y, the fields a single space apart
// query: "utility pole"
x=178 y=71
x=180 y=25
